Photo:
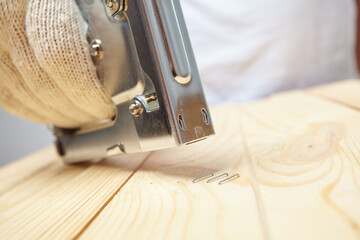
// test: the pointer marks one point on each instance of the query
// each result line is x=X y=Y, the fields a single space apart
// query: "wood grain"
x=61 y=200
x=307 y=165
x=300 y=178
x=161 y=202
x=297 y=155
x=343 y=92
x=25 y=168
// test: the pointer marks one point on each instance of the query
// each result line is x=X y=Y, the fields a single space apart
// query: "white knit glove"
x=46 y=71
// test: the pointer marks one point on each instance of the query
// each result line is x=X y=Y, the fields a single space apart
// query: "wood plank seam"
x=327 y=193
x=334 y=92
x=293 y=151
x=332 y=100
x=255 y=185
x=297 y=155
x=111 y=198
x=152 y=175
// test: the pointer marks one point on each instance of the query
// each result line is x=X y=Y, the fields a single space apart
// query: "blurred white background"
x=19 y=137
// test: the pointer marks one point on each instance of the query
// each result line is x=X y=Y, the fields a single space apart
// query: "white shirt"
x=247 y=49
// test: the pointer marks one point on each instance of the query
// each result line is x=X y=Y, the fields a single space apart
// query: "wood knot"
x=317 y=143
x=300 y=158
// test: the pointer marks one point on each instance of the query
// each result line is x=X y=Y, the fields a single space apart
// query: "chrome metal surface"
x=173 y=39
x=136 y=108
x=147 y=61
x=202 y=177
x=181 y=122
x=116 y=149
x=205 y=116
x=217 y=177
x=96 y=51
x=113 y=7
x=229 y=179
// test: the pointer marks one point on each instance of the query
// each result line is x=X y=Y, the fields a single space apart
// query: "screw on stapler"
x=142 y=53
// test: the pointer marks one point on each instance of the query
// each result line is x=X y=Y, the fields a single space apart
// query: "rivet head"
x=110 y=3
x=113 y=7
x=136 y=108
x=96 y=50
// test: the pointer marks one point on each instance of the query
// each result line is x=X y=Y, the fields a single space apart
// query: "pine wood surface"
x=344 y=92
x=297 y=154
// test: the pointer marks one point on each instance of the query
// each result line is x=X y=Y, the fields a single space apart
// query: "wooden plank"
x=344 y=92
x=22 y=169
x=59 y=201
x=161 y=202
x=300 y=178
x=306 y=160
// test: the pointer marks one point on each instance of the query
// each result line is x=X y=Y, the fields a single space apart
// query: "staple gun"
x=143 y=56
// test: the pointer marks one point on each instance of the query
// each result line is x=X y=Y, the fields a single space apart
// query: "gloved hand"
x=46 y=71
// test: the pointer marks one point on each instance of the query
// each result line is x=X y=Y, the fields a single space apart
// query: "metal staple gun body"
x=142 y=53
